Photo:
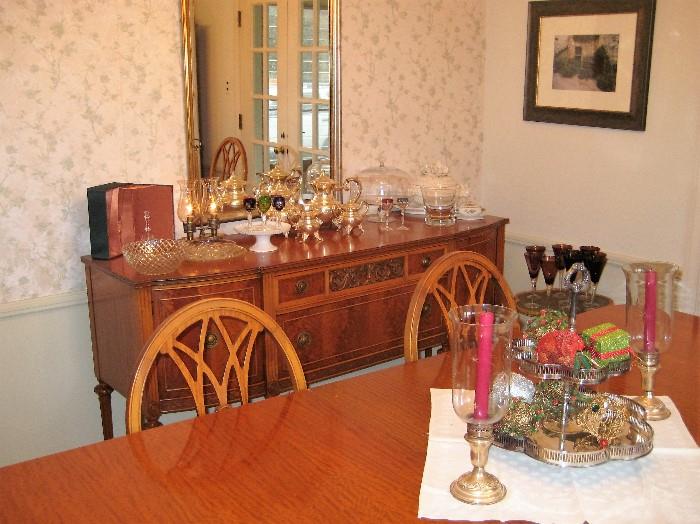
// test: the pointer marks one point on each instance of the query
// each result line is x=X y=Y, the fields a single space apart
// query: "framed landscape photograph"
x=588 y=62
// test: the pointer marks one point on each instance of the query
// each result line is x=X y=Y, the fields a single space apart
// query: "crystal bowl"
x=154 y=256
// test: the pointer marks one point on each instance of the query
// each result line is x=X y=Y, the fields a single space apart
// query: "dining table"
x=352 y=450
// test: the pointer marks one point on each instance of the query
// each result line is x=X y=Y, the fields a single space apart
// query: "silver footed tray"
x=604 y=427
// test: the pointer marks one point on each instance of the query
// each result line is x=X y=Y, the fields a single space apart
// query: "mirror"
x=323 y=119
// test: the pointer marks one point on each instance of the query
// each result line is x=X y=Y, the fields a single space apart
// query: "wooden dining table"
x=348 y=451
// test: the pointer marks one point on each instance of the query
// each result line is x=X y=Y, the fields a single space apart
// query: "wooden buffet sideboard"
x=342 y=302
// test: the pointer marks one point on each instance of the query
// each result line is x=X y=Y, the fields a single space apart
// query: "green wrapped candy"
x=548 y=320
x=607 y=343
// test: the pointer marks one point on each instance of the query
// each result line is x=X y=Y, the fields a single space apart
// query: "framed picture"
x=588 y=62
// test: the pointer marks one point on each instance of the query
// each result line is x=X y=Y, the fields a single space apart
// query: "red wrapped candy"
x=559 y=347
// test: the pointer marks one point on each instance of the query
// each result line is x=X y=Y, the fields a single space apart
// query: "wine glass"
x=586 y=253
x=549 y=272
x=560 y=251
x=387 y=205
x=570 y=258
x=249 y=203
x=533 y=257
x=595 y=264
x=480 y=346
x=278 y=203
x=264 y=203
x=402 y=202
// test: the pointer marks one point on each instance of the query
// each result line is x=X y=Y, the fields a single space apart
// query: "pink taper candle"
x=483 y=366
x=650 y=311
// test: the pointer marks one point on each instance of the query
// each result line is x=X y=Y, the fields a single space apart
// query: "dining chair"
x=456 y=278
x=183 y=338
x=230 y=152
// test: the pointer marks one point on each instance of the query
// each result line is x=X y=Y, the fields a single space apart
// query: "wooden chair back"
x=238 y=323
x=455 y=279
x=230 y=153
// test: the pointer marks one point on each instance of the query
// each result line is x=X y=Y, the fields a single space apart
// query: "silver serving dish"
x=577 y=448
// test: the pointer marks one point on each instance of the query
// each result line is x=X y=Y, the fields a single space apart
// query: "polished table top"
x=350 y=451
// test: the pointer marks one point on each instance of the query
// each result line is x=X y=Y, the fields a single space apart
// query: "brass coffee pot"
x=280 y=182
x=308 y=223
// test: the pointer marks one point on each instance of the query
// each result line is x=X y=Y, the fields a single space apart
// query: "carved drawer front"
x=339 y=337
x=366 y=274
x=483 y=243
x=173 y=393
x=301 y=285
x=419 y=262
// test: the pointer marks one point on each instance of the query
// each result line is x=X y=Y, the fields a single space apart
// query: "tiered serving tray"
x=563 y=442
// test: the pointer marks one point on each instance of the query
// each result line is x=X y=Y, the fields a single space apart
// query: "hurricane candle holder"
x=480 y=344
x=649 y=317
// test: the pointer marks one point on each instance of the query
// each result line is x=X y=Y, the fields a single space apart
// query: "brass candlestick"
x=654 y=406
x=478 y=486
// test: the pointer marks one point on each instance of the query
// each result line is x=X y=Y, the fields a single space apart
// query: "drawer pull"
x=303 y=339
x=426 y=261
x=211 y=340
x=426 y=309
x=301 y=287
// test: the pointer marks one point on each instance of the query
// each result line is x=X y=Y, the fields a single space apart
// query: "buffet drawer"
x=300 y=285
x=419 y=262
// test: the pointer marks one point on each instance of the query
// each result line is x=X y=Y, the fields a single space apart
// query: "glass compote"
x=533 y=257
x=480 y=345
x=595 y=263
x=560 y=251
x=549 y=272
x=649 y=319
x=387 y=205
x=264 y=203
x=402 y=202
x=278 y=203
x=249 y=203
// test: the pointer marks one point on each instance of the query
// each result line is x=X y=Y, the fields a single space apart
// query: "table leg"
x=104 y=394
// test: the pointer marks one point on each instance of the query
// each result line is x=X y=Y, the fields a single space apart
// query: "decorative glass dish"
x=153 y=256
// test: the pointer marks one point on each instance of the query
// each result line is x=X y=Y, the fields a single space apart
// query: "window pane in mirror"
x=307 y=23
x=324 y=76
x=272 y=25
x=272 y=158
x=257 y=25
x=258 y=118
x=305 y=160
x=307 y=80
x=307 y=125
x=323 y=115
x=272 y=74
x=258 y=73
x=272 y=121
x=258 y=159
x=323 y=23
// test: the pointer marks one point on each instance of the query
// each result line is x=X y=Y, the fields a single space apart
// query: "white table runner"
x=661 y=487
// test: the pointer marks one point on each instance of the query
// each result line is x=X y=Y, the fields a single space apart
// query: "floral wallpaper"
x=91 y=93
x=412 y=85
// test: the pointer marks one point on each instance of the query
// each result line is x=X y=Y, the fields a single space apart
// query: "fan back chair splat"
x=455 y=279
x=239 y=323
x=231 y=152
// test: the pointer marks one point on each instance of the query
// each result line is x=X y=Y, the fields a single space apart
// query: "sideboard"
x=342 y=302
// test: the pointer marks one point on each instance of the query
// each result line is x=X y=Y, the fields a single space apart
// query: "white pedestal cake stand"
x=262 y=236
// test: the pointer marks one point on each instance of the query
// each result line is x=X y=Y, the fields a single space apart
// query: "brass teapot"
x=349 y=217
x=324 y=201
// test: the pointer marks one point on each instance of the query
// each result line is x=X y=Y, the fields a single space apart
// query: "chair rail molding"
x=35 y=305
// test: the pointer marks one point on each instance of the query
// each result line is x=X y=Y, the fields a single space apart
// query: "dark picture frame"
x=588 y=62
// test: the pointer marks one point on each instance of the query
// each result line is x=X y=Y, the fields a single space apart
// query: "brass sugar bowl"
x=280 y=182
x=349 y=217
x=308 y=223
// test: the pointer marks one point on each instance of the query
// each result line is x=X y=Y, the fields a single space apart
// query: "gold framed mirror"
x=325 y=115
